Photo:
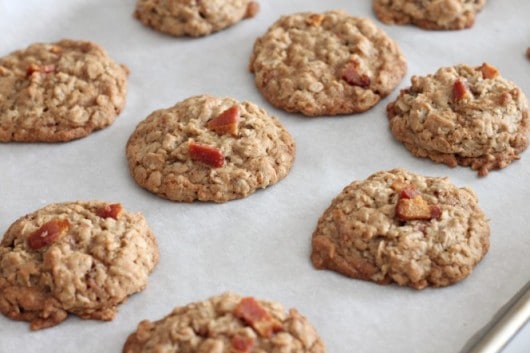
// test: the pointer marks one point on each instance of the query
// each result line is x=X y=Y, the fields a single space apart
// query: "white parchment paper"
x=260 y=245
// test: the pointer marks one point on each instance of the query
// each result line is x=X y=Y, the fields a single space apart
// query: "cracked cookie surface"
x=83 y=258
x=462 y=115
x=364 y=234
x=228 y=165
x=227 y=323
x=193 y=18
x=429 y=14
x=59 y=92
x=326 y=64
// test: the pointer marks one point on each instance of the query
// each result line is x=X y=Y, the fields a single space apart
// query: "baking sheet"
x=260 y=245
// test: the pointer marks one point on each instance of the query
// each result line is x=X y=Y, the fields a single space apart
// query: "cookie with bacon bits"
x=403 y=228
x=462 y=115
x=227 y=323
x=82 y=258
x=194 y=18
x=429 y=14
x=209 y=149
x=326 y=63
x=57 y=92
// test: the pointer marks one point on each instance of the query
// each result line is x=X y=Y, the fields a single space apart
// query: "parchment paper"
x=260 y=245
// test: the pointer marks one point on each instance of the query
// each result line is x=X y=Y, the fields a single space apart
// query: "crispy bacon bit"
x=48 y=233
x=489 y=71
x=412 y=206
x=45 y=69
x=408 y=192
x=110 y=211
x=252 y=313
x=206 y=154
x=226 y=122
x=252 y=9
x=242 y=344
x=460 y=91
x=314 y=19
x=351 y=74
x=413 y=209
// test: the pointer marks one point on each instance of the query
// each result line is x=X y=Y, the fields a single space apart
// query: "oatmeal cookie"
x=429 y=14
x=59 y=92
x=83 y=258
x=463 y=115
x=399 y=227
x=326 y=64
x=193 y=18
x=209 y=149
x=227 y=323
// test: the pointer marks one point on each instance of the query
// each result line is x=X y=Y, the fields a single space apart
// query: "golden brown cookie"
x=82 y=258
x=462 y=115
x=209 y=149
x=193 y=18
x=59 y=92
x=227 y=323
x=429 y=14
x=404 y=228
x=326 y=63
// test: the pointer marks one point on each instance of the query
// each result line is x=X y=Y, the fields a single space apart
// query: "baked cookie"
x=462 y=115
x=429 y=14
x=193 y=18
x=82 y=258
x=209 y=149
x=227 y=323
x=399 y=227
x=59 y=92
x=326 y=64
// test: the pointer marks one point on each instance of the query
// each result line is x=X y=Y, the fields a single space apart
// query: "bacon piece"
x=351 y=74
x=242 y=344
x=252 y=9
x=110 y=211
x=48 y=233
x=489 y=71
x=460 y=91
x=408 y=192
x=206 y=154
x=411 y=206
x=253 y=314
x=226 y=122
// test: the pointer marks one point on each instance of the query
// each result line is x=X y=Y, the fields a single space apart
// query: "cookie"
x=59 y=92
x=429 y=14
x=404 y=228
x=209 y=149
x=193 y=18
x=326 y=64
x=82 y=258
x=462 y=115
x=227 y=323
